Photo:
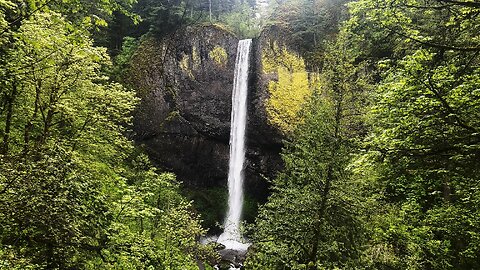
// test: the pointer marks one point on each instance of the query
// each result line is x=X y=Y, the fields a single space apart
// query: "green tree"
x=313 y=217
x=424 y=145
x=241 y=19
x=311 y=23
x=74 y=192
x=58 y=111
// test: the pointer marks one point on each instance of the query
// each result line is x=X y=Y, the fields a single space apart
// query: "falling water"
x=231 y=236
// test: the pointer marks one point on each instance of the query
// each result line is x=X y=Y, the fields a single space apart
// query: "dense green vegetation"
x=382 y=160
x=383 y=173
x=74 y=191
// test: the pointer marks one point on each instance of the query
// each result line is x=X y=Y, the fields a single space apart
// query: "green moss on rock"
x=144 y=59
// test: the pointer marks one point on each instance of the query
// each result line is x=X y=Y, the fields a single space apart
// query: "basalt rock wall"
x=185 y=83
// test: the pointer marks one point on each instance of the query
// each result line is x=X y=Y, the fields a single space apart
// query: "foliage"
x=153 y=227
x=122 y=60
x=242 y=21
x=313 y=217
x=74 y=191
x=91 y=14
x=219 y=55
x=165 y=17
x=37 y=192
x=415 y=174
x=424 y=143
x=424 y=130
x=211 y=204
x=311 y=23
x=377 y=176
x=290 y=91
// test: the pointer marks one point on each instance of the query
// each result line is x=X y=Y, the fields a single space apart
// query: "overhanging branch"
x=435 y=45
x=462 y=3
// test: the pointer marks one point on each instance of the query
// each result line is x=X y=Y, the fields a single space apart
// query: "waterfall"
x=231 y=237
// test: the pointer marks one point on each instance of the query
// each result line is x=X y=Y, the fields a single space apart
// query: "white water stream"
x=231 y=236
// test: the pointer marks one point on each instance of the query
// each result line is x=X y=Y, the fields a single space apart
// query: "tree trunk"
x=447 y=191
x=46 y=127
x=328 y=182
x=8 y=120
x=29 y=125
x=210 y=9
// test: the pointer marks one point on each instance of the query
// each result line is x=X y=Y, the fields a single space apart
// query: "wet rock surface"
x=232 y=258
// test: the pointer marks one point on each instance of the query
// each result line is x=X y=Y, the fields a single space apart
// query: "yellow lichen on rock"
x=219 y=55
x=188 y=63
x=195 y=58
x=184 y=62
x=185 y=65
x=289 y=93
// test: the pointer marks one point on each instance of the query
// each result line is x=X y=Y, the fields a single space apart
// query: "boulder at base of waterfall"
x=233 y=257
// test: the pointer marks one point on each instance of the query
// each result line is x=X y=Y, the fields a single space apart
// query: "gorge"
x=200 y=135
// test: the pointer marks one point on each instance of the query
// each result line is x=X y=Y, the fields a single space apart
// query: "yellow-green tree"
x=291 y=89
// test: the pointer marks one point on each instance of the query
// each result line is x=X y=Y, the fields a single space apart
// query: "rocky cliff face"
x=185 y=84
x=280 y=86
